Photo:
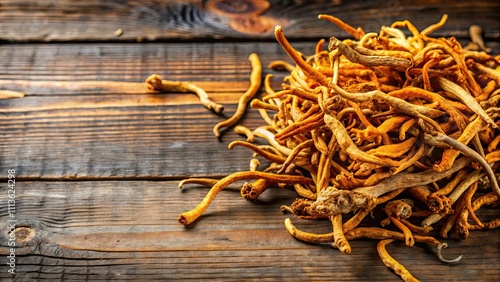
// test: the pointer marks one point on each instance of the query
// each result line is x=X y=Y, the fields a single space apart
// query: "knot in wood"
x=238 y=8
x=24 y=234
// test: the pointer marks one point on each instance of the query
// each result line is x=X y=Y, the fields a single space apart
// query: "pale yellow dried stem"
x=201 y=181
x=190 y=216
x=243 y=130
x=393 y=264
x=297 y=58
x=356 y=33
x=255 y=80
x=154 y=82
x=435 y=26
x=338 y=234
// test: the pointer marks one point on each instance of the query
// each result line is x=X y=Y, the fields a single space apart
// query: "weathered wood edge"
x=130 y=21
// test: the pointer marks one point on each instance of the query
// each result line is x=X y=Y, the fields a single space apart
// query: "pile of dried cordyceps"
x=357 y=125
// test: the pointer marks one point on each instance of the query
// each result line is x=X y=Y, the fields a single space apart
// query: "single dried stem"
x=304 y=192
x=409 y=241
x=391 y=263
x=475 y=32
x=450 y=186
x=393 y=150
x=255 y=80
x=154 y=82
x=190 y=216
x=356 y=33
x=254 y=164
x=258 y=104
x=493 y=157
x=338 y=234
x=243 y=130
x=391 y=53
x=435 y=26
x=389 y=196
x=440 y=248
x=281 y=65
x=380 y=233
x=251 y=191
x=297 y=58
x=416 y=229
x=201 y=181
x=354 y=221
x=356 y=57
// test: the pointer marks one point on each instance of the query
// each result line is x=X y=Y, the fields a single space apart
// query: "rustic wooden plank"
x=76 y=122
x=94 y=230
x=87 y=114
x=208 y=62
x=123 y=139
x=217 y=66
x=64 y=20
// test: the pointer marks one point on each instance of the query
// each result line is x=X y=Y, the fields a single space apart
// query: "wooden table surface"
x=98 y=157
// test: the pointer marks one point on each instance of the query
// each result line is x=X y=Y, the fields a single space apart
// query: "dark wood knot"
x=24 y=234
x=238 y=8
x=244 y=16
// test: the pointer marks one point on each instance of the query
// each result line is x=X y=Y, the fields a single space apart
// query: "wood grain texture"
x=127 y=230
x=87 y=113
x=98 y=157
x=93 y=20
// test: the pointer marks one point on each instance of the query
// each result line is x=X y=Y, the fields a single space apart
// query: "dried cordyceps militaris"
x=371 y=119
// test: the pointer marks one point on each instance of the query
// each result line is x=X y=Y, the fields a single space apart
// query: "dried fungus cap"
x=332 y=201
x=400 y=209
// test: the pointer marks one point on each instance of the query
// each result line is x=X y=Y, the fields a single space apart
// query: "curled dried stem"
x=154 y=82
x=338 y=234
x=255 y=80
x=243 y=130
x=190 y=216
x=391 y=263
x=201 y=181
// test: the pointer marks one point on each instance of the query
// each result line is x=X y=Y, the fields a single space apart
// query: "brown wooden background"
x=98 y=157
